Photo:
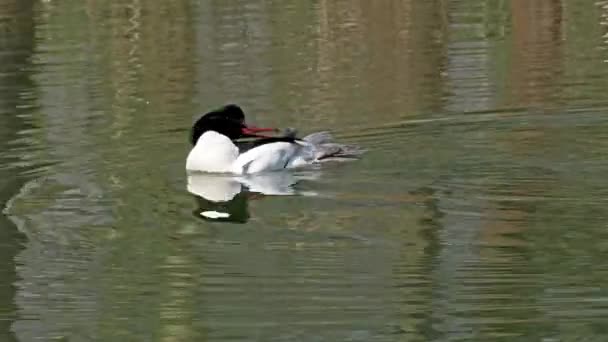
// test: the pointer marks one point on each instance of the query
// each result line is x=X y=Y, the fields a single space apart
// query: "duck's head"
x=229 y=121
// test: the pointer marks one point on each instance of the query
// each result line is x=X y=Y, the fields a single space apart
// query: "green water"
x=477 y=214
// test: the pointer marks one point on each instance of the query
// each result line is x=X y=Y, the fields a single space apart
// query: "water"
x=478 y=214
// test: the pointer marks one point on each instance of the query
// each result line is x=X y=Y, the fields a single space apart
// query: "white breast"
x=213 y=152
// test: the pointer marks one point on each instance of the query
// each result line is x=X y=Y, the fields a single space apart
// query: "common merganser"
x=216 y=148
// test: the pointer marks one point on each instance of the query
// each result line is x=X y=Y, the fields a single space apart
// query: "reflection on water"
x=478 y=213
x=226 y=197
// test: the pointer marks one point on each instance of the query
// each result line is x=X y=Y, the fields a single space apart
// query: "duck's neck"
x=213 y=152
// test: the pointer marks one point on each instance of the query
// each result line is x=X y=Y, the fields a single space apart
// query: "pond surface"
x=479 y=212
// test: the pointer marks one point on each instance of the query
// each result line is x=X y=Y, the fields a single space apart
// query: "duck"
x=218 y=146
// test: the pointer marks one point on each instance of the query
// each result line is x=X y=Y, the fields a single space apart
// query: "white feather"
x=213 y=152
x=267 y=157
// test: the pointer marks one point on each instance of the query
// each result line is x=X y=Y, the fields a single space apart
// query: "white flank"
x=267 y=157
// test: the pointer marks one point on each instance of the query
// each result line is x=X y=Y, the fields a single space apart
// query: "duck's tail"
x=326 y=150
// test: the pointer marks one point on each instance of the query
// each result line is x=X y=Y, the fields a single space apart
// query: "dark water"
x=478 y=214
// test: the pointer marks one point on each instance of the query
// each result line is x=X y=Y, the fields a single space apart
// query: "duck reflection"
x=226 y=197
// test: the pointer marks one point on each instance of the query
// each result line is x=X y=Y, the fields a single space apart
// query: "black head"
x=229 y=112
x=228 y=120
x=231 y=128
x=233 y=112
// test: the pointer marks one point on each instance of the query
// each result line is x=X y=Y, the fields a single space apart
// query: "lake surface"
x=479 y=212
